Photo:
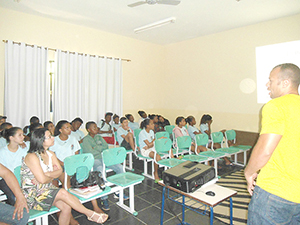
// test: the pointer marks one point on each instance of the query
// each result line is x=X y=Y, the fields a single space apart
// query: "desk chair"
x=122 y=180
x=82 y=164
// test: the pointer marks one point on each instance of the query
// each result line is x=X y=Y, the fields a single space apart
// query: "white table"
x=221 y=194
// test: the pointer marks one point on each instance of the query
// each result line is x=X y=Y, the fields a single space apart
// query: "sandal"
x=102 y=217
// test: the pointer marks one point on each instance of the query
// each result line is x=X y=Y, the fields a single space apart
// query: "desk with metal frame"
x=221 y=194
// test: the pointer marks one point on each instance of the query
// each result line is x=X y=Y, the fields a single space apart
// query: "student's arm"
x=57 y=170
x=33 y=163
x=13 y=184
x=260 y=155
x=197 y=132
x=149 y=144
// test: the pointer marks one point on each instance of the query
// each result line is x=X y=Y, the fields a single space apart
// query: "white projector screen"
x=269 y=56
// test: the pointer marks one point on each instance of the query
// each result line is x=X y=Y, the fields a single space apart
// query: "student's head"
x=3 y=127
x=205 y=119
x=284 y=79
x=62 y=127
x=191 y=120
x=153 y=117
x=50 y=126
x=180 y=121
x=40 y=140
x=116 y=119
x=161 y=119
x=124 y=122
x=35 y=126
x=91 y=127
x=147 y=124
x=14 y=134
x=142 y=114
x=130 y=117
x=34 y=119
x=2 y=119
x=108 y=116
x=76 y=123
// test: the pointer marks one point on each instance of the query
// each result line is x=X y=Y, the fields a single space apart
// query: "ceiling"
x=194 y=18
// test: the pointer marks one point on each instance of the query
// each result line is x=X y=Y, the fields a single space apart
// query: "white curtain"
x=86 y=86
x=27 y=91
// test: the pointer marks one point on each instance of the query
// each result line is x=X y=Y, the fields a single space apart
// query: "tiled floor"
x=148 y=197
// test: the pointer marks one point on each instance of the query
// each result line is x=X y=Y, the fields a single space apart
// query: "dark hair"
x=3 y=127
x=152 y=116
x=128 y=116
x=179 y=119
x=34 y=119
x=108 y=114
x=189 y=119
x=36 y=141
x=46 y=124
x=59 y=126
x=10 y=132
x=145 y=123
x=115 y=116
x=122 y=119
x=205 y=118
x=88 y=124
x=290 y=72
x=34 y=126
x=77 y=119
x=141 y=113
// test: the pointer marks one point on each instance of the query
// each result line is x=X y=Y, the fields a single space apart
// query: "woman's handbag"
x=78 y=180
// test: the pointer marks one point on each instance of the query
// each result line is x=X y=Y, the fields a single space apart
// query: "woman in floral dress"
x=39 y=168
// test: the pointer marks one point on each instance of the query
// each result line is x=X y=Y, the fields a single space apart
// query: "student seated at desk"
x=75 y=125
x=125 y=135
x=180 y=131
x=157 y=126
x=133 y=125
x=95 y=144
x=50 y=126
x=3 y=127
x=106 y=130
x=64 y=144
x=11 y=157
x=39 y=168
x=116 y=122
x=205 y=127
x=146 y=142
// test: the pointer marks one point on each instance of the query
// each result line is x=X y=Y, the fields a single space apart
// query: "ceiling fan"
x=153 y=2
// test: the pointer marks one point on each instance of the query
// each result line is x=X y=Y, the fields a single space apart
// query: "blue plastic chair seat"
x=228 y=150
x=195 y=158
x=212 y=154
x=170 y=162
x=125 y=179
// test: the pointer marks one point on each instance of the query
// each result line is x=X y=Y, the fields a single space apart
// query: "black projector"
x=188 y=176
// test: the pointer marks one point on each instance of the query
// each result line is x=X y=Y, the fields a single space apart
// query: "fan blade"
x=168 y=2
x=137 y=4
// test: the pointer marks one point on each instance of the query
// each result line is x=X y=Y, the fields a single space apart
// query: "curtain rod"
x=52 y=49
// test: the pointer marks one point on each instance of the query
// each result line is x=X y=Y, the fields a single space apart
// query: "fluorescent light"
x=155 y=25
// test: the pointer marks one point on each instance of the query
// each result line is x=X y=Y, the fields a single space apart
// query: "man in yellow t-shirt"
x=275 y=195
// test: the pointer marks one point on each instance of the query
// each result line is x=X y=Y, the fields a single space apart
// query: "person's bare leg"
x=74 y=203
x=201 y=148
x=151 y=155
x=96 y=208
x=65 y=212
x=130 y=140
